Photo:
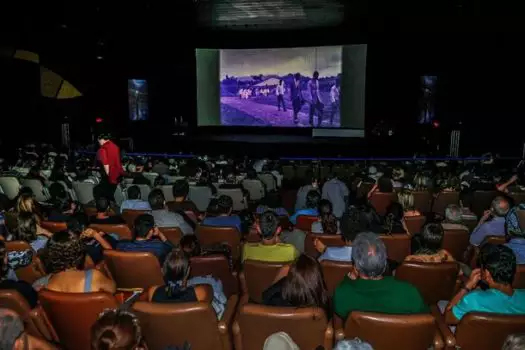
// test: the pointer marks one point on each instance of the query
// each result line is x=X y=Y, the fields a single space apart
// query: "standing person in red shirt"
x=109 y=156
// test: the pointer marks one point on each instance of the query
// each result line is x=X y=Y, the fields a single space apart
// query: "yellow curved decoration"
x=49 y=82
x=27 y=56
x=68 y=91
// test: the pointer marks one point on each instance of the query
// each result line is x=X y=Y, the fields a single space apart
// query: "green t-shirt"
x=387 y=296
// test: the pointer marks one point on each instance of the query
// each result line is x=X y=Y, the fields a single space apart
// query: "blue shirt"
x=224 y=221
x=134 y=204
x=154 y=246
x=39 y=243
x=337 y=254
x=307 y=212
x=491 y=300
x=494 y=227
x=518 y=247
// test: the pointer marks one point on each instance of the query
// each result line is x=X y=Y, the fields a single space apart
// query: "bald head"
x=11 y=327
x=500 y=206
x=369 y=255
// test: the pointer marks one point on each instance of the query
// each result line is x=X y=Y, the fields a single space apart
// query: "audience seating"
x=173 y=234
x=73 y=314
x=333 y=273
x=415 y=223
x=254 y=188
x=443 y=200
x=217 y=266
x=328 y=240
x=84 y=192
x=519 y=277
x=133 y=270
x=239 y=202
x=269 y=181
x=434 y=281
x=214 y=234
x=422 y=201
x=397 y=246
x=308 y=327
x=40 y=192
x=130 y=215
x=456 y=243
x=167 y=190
x=10 y=186
x=380 y=201
x=200 y=196
x=481 y=201
x=304 y=222
x=257 y=276
x=31 y=272
x=173 y=324
x=54 y=226
x=122 y=230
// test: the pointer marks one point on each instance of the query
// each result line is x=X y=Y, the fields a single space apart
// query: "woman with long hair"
x=327 y=223
x=394 y=221
x=406 y=199
x=27 y=204
x=27 y=231
x=430 y=246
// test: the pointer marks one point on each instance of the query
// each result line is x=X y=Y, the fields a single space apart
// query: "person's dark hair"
x=77 y=223
x=57 y=191
x=102 y=204
x=325 y=208
x=104 y=136
x=11 y=329
x=312 y=199
x=251 y=174
x=175 y=270
x=500 y=261
x=297 y=76
x=159 y=181
x=142 y=225
x=394 y=216
x=24 y=190
x=352 y=224
x=27 y=227
x=213 y=208
x=224 y=204
x=431 y=239
x=181 y=188
x=204 y=179
x=269 y=223
x=316 y=74
x=156 y=199
x=190 y=245
x=65 y=251
x=304 y=285
x=329 y=224
x=384 y=185
x=99 y=191
x=280 y=81
x=117 y=329
x=133 y=192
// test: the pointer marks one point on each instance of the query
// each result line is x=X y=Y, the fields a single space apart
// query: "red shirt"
x=109 y=154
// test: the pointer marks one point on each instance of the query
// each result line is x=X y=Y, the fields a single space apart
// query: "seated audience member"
x=514 y=342
x=94 y=242
x=516 y=237
x=269 y=249
x=394 y=220
x=354 y=344
x=181 y=189
x=337 y=193
x=161 y=167
x=134 y=201
x=117 y=329
x=27 y=231
x=102 y=216
x=205 y=181
x=299 y=285
x=489 y=289
x=34 y=174
x=26 y=204
x=453 y=218
x=191 y=246
x=62 y=208
x=351 y=227
x=230 y=181
x=181 y=288
x=406 y=199
x=384 y=185
x=312 y=203
x=430 y=246
x=146 y=238
x=366 y=289
x=163 y=217
x=494 y=227
x=327 y=223
x=65 y=264
x=398 y=177
x=21 y=287
x=272 y=202
x=14 y=337
x=310 y=184
x=224 y=217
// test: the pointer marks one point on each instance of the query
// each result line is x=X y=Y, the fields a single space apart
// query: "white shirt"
x=334 y=94
x=280 y=90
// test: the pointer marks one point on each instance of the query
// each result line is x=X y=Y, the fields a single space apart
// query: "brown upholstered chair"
x=168 y=324
x=257 y=276
x=73 y=314
x=54 y=226
x=386 y=332
x=494 y=240
x=31 y=272
x=485 y=331
x=133 y=270
x=380 y=201
x=415 y=223
x=519 y=197
x=481 y=201
x=435 y=281
x=397 y=246
x=304 y=222
x=456 y=243
x=92 y=211
x=130 y=215
x=328 y=240
x=422 y=201
x=443 y=200
x=35 y=320
x=333 y=273
x=214 y=234
x=308 y=327
x=519 y=277
x=173 y=234
x=122 y=230
x=216 y=265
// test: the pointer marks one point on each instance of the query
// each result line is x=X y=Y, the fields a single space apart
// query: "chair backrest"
x=173 y=234
x=494 y=240
x=308 y=327
x=218 y=266
x=481 y=201
x=435 y=281
x=201 y=196
x=168 y=192
x=381 y=201
x=333 y=273
x=236 y=195
x=456 y=243
x=84 y=191
x=422 y=201
x=215 y=234
x=10 y=186
x=304 y=222
x=328 y=240
x=54 y=226
x=255 y=188
x=415 y=223
x=168 y=324
x=130 y=215
x=385 y=332
x=397 y=246
x=133 y=270
x=151 y=177
x=39 y=191
x=258 y=276
x=73 y=314
x=519 y=277
x=288 y=172
x=119 y=195
x=269 y=181
x=443 y=200
x=122 y=230
x=33 y=271
x=487 y=331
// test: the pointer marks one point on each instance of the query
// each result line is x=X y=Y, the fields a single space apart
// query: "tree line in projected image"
x=278 y=87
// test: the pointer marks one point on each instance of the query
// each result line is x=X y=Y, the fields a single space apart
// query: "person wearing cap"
x=109 y=156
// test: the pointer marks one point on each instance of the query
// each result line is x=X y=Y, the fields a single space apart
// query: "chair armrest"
x=227 y=317
x=242 y=282
x=446 y=333
x=339 y=328
x=329 y=336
